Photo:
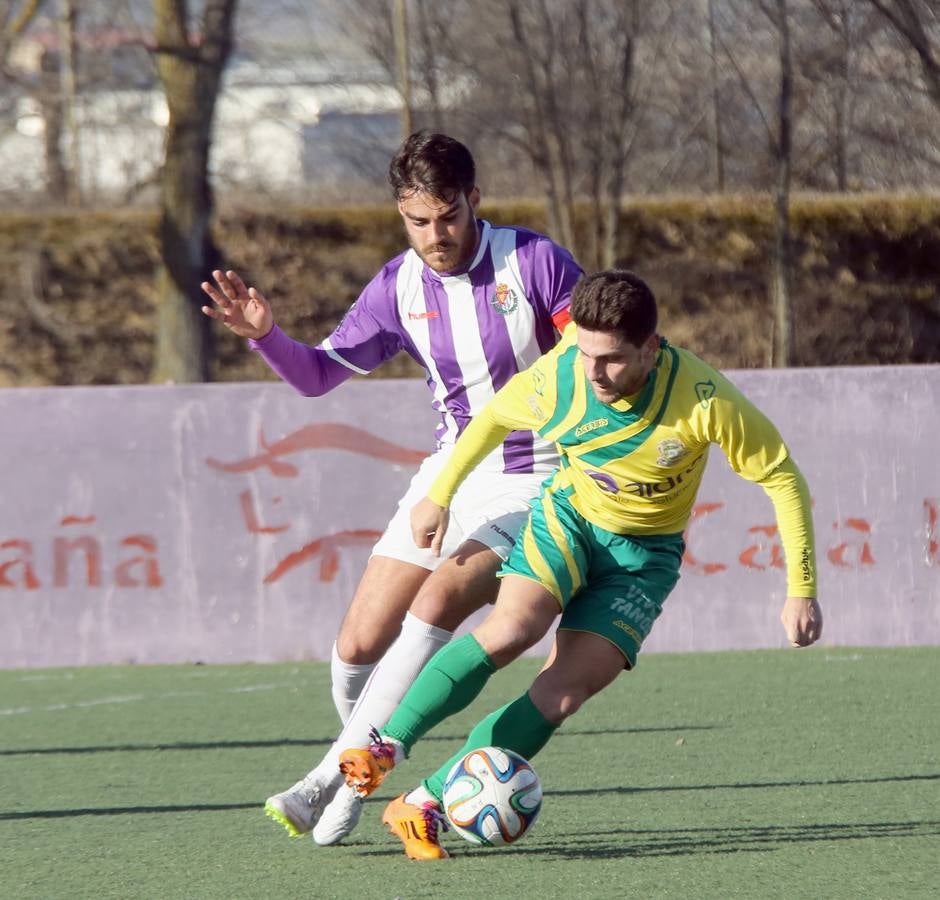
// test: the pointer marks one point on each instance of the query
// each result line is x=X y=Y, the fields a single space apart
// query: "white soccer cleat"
x=299 y=807
x=339 y=818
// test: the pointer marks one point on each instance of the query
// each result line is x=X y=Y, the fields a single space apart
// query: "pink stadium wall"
x=224 y=523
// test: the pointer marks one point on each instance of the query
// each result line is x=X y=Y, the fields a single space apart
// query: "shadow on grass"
x=126 y=811
x=596 y=838
x=309 y=742
x=176 y=745
x=738 y=785
x=634 y=843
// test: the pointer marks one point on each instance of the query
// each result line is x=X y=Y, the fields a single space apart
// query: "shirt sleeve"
x=524 y=403
x=553 y=273
x=747 y=437
x=789 y=494
x=756 y=452
x=365 y=338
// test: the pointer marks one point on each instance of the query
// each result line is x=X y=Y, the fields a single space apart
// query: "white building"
x=271 y=134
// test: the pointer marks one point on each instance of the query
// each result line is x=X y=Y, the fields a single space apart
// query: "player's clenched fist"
x=802 y=620
x=241 y=309
x=429 y=524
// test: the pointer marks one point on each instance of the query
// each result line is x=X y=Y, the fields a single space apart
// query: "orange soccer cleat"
x=365 y=768
x=417 y=827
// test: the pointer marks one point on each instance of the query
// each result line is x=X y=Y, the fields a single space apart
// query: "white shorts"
x=490 y=507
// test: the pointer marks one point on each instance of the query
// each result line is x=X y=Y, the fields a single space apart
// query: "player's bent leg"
x=459 y=586
x=372 y=621
x=523 y=613
x=454 y=677
x=580 y=665
x=464 y=583
x=371 y=624
x=518 y=726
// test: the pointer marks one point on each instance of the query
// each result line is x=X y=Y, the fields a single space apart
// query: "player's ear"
x=473 y=198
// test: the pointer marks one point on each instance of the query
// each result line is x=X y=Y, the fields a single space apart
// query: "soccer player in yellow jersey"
x=633 y=418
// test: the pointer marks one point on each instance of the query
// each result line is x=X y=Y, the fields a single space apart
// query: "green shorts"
x=612 y=585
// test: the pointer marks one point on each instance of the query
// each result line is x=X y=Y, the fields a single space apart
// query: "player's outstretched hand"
x=241 y=309
x=429 y=524
x=802 y=620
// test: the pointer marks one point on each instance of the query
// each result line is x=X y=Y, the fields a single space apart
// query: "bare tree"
x=558 y=81
x=190 y=66
x=56 y=75
x=609 y=52
x=779 y=134
x=918 y=23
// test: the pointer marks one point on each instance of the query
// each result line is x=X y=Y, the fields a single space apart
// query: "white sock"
x=348 y=680
x=390 y=680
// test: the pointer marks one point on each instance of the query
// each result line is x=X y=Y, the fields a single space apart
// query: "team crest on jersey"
x=671 y=451
x=504 y=300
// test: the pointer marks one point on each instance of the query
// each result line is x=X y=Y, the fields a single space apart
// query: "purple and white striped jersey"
x=471 y=331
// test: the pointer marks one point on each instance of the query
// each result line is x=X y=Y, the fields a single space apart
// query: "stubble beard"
x=443 y=258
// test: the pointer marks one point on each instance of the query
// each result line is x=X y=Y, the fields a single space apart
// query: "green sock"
x=517 y=726
x=451 y=680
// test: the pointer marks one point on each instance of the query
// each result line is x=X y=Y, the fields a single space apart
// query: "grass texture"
x=757 y=774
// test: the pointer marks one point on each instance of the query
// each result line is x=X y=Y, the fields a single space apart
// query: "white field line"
x=137 y=698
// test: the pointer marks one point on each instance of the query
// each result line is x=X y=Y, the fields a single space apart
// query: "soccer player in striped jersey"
x=474 y=304
x=633 y=418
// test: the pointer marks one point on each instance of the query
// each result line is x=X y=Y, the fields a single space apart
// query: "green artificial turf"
x=809 y=773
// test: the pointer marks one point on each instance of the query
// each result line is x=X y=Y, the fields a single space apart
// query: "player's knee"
x=506 y=637
x=438 y=605
x=361 y=646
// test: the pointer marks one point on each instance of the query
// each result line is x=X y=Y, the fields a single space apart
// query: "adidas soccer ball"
x=492 y=796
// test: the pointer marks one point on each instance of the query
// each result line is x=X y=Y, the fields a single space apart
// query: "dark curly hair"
x=615 y=301
x=434 y=163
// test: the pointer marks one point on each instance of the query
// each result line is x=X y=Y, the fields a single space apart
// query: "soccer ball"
x=492 y=796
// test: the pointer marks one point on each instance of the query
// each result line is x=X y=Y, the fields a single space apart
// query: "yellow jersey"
x=635 y=465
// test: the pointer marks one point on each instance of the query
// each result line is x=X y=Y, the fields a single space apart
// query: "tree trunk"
x=718 y=151
x=783 y=313
x=546 y=152
x=429 y=64
x=191 y=73
x=403 y=68
x=68 y=71
x=50 y=102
